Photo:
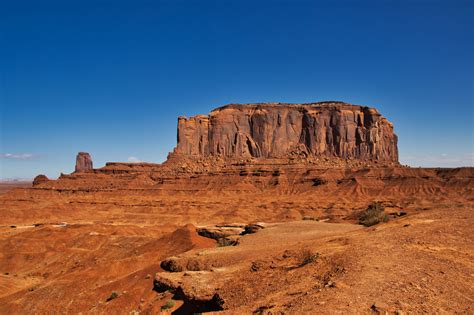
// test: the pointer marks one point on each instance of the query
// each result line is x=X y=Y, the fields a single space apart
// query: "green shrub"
x=168 y=305
x=374 y=214
x=112 y=296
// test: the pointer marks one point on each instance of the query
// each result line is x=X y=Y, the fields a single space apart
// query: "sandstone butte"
x=285 y=184
x=83 y=162
x=331 y=129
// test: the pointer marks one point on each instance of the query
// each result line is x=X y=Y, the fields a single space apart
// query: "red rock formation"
x=40 y=179
x=83 y=162
x=277 y=130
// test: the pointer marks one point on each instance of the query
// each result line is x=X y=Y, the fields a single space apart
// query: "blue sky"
x=111 y=77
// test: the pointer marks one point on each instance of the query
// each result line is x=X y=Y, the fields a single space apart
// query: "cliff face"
x=275 y=130
x=83 y=163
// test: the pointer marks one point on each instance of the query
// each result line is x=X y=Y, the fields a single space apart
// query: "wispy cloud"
x=441 y=160
x=22 y=156
x=133 y=159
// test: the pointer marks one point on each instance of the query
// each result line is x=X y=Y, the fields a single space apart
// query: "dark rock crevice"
x=191 y=305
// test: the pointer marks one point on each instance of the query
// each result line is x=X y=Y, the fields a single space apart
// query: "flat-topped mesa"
x=280 y=131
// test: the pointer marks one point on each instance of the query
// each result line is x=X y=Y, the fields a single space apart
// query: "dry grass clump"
x=307 y=256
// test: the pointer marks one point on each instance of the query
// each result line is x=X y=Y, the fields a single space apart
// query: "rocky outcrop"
x=277 y=130
x=40 y=179
x=83 y=162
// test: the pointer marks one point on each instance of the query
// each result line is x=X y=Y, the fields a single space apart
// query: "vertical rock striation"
x=83 y=162
x=278 y=130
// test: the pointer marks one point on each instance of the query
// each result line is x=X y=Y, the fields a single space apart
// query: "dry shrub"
x=168 y=305
x=374 y=214
x=306 y=256
x=112 y=296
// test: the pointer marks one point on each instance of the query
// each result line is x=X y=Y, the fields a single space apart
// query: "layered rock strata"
x=282 y=131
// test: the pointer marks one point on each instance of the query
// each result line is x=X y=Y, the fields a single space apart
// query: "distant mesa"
x=284 y=131
x=83 y=163
x=40 y=179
